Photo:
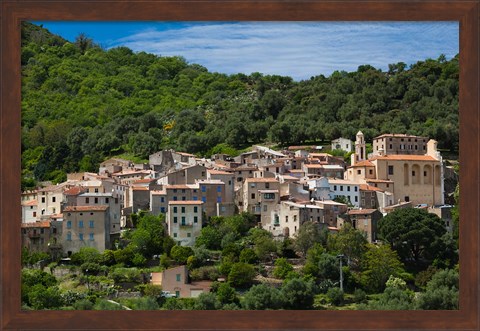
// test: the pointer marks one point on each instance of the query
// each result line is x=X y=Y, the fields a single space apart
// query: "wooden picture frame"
x=13 y=12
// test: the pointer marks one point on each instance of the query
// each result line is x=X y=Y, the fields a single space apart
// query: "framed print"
x=14 y=13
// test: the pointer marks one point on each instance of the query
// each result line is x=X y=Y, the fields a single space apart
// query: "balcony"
x=32 y=235
x=186 y=225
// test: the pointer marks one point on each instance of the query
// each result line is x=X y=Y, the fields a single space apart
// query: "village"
x=282 y=190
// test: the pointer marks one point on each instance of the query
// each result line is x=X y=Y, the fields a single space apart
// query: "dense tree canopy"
x=413 y=233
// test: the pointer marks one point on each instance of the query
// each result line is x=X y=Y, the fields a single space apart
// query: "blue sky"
x=296 y=49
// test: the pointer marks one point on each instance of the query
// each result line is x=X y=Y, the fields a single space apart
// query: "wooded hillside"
x=81 y=104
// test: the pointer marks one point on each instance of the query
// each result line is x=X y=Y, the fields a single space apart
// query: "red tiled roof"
x=146 y=180
x=361 y=211
x=176 y=187
x=85 y=208
x=365 y=163
x=261 y=180
x=74 y=191
x=370 y=180
x=366 y=187
x=30 y=203
x=399 y=157
x=139 y=188
x=218 y=172
x=42 y=224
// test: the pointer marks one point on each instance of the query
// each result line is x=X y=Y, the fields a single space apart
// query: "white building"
x=184 y=221
x=343 y=143
x=345 y=188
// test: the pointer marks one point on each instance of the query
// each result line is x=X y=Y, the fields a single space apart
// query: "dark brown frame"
x=14 y=11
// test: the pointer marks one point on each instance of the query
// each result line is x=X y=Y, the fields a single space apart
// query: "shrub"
x=359 y=296
x=261 y=297
x=282 y=268
x=241 y=274
x=205 y=273
x=335 y=296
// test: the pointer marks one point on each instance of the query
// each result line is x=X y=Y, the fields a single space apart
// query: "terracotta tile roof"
x=30 y=203
x=186 y=202
x=42 y=224
x=361 y=211
x=369 y=180
x=158 y=192
x=218 y=172
x=85 y=208
x=185 y=154
x=313 y=166
x=399 y=157
x=140 y=188
x=342 y=181
x=261 y=180
x=366 y=187
x=365 y=163
x=146 y=180
x=74 y=191
x=400 y=135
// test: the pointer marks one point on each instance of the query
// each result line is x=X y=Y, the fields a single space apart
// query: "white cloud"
x=297 y=49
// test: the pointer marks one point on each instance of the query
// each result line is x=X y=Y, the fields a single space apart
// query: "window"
x=54 y=199
x=390 y=170
x=34 y=214
x=359 y=172
x=388 y=185
x=80 y=236
x=195 y=219
x=195 y=198
x=183 y=220
x=348 y=188
x=91 y=236
x=269 y=196
x=183 y=198
x=91 y=224
x=106 y=200
x=175 y=235
x=69 y=236
x=204 y=188
x=175 y=219
x=174 y=190
x=96 y=200
x=178 y=276
x=286 y=219
x=370 y=172
x=175 y=199
x=183 y=210
x=356 y=188
x=267 y=185
x=219 y=199
x=253 y=195
x=162 y=199
x=334 y=187
x=43 y=199
x=341 y=187
x=425 y=173
x=175 y=210
x=42 y=231
x=219 y=189
x=265 y=208
x=413 y=173
x=80 y=224
x=189 y=234
x=294 y=218
x=204 y=199
x=356 y=199
x=162 y=210
x=195 y=209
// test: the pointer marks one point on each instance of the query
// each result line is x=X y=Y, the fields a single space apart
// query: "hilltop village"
x=280 y=190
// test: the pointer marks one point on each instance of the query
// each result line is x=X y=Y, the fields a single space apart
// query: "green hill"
x=81 y=104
